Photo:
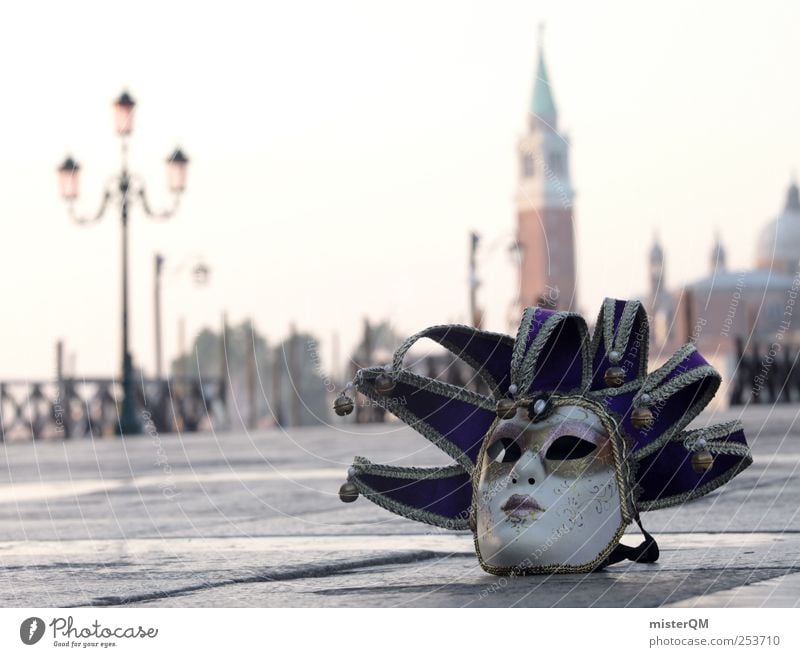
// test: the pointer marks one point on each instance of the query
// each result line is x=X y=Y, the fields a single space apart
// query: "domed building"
x=778 y=245
x=742 y=321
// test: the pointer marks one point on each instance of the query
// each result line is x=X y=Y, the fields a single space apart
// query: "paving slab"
x=780 y=592
x=244 y=519
x=454 y=579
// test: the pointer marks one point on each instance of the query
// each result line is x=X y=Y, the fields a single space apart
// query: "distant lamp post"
x=200 y=274
x=125 y=188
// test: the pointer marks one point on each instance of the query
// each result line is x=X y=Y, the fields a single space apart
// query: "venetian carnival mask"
x=547 y=491
x=558 y=444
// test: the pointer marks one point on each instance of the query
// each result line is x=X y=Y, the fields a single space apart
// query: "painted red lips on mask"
x=521 y=505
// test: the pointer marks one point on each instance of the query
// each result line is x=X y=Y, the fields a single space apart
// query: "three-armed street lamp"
x=125 y=188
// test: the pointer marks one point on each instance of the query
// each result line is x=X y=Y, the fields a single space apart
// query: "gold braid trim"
x=711 y=432
x=608 y=323
x=518 y=353
x=602 y=393
x=365 y=466
x=658 y=375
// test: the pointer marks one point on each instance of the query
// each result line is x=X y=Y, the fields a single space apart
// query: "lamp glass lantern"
x=68 y=179
x=201 y=273
x=123 y=114
x=176 y=171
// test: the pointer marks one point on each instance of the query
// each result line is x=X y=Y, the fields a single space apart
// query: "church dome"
x=778 y=244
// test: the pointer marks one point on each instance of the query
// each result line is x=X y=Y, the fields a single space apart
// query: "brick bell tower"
x=545 y=226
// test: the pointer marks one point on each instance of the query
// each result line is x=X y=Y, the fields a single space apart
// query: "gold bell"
x=642 y=417
x=506 y=409
x=384 y=384
x=702 y=461
x=348 y=492
x=343 y=405
x=614 y=377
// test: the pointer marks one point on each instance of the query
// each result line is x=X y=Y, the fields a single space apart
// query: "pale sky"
x=342 y=151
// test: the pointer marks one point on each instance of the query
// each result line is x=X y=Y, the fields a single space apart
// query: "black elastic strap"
x=645 y=552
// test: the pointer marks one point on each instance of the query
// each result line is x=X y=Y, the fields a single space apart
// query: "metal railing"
x=766 y=374
x=90 y=407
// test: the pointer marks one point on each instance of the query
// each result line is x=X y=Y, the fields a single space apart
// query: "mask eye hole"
x=566 y=448
x=504 y=450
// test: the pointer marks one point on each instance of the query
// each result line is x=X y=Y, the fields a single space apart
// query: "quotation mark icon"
x=31 y=630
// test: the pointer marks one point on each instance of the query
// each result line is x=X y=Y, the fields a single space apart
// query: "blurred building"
x=742 y=321
x=545 y=226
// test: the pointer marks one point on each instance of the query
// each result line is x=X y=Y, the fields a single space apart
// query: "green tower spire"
x=543 y=106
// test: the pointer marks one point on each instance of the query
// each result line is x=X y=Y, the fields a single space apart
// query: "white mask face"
x=547 y=492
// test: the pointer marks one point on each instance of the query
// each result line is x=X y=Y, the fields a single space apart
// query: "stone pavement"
x=254 y=520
